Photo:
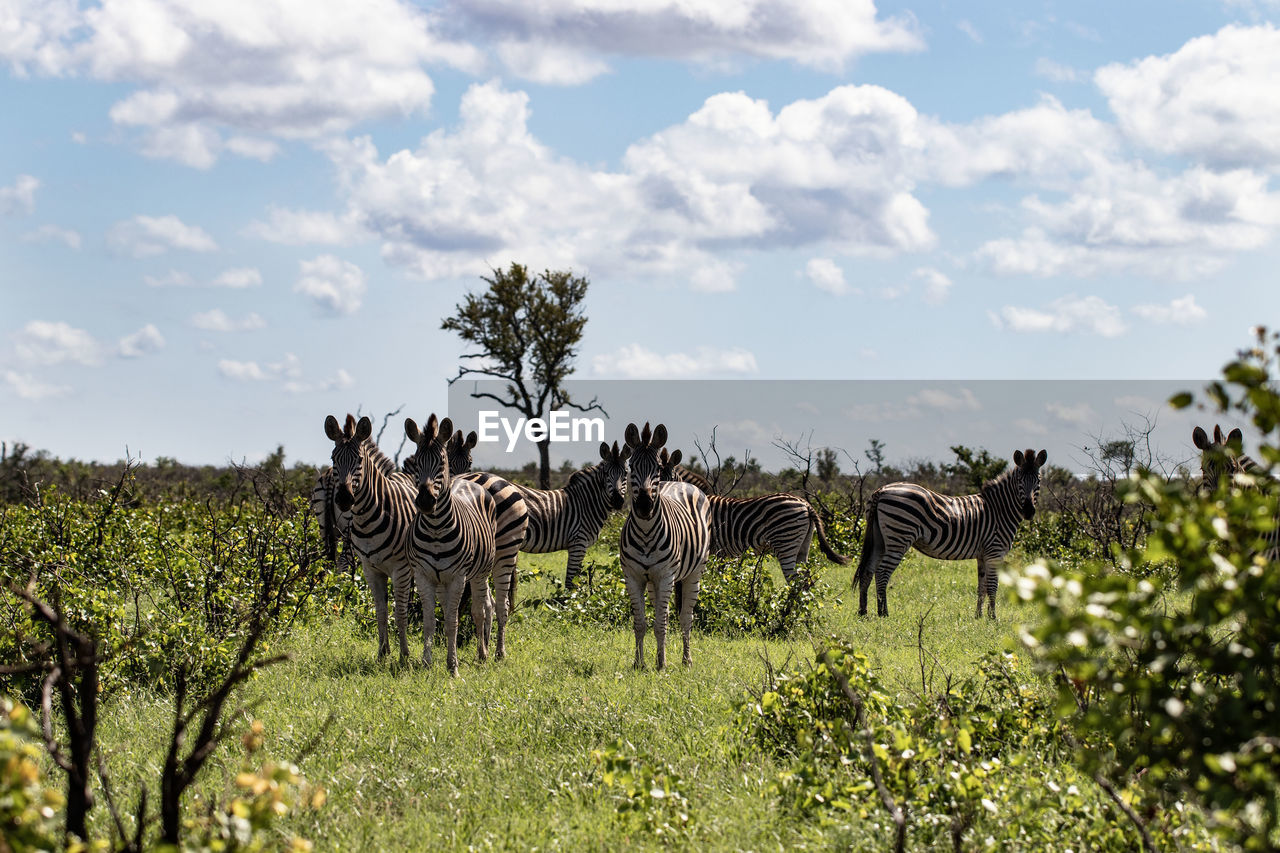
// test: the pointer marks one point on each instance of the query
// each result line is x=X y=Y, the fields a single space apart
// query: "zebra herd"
x=439 y=525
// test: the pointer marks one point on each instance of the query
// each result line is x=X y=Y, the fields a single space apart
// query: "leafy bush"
x=27 y=806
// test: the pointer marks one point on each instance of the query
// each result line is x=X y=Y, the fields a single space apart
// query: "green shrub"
x=28 y=807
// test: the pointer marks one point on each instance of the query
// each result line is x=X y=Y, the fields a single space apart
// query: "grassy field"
x=501 y=756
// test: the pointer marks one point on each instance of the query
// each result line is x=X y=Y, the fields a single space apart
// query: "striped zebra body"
x=570 y=519
x=901 y=516
x=452 y=544
x=335 y=525
x=665 y=541
x=1221 y=460
x=512 y=515
x=780 y=524
x=379 y=501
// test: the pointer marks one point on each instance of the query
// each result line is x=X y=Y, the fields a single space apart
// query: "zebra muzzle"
x=425 y=500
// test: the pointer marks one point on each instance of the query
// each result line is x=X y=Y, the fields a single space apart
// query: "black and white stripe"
x=452 y=543
x=982 y=526
x=780 y=524
x=1221 y=460
x=570 y=519
x=458 y=451
x=335 y=526
x=665 y=541
x=379 y=501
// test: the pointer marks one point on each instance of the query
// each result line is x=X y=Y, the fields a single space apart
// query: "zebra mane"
x=385 y=465
x=581 y=478
x=999 y=480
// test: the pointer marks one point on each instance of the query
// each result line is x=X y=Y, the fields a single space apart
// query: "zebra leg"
x=428 y=592
x=690 y=587
x=452 y=600
x=481 y=614
x=635 y=590
x=503 y=581
x=982 y=582
x=661 y=611
x=402 y=590
x=993 y=581
x=378 y=583
x=573 y=568
x=884 y=570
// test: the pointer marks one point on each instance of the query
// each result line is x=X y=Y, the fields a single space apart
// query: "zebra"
x=570 y=519
x=1222 y=458
x=673 y=471
x=452 y=544
x=335 y=526
x=379 y=500
x=779 y=523
x=905 y=515
x=459 y=452
x=665 y=541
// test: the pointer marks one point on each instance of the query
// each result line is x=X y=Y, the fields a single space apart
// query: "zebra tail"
x=868 y=545
x=511 y=597
x=832 y=554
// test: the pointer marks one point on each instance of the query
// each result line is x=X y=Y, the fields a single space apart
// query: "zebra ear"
x=411 y=430
x=1200 y=439
x=675 y=458
x=1217 y=434
x=632 y=436
x=659 y=435
x=472 y=439
x=1235 y=440
x=604 y=451
x=1017 y=458
x=1041 y=458
x=332 y=429
x=364 y=429
x=625 y=454
x=446 y=429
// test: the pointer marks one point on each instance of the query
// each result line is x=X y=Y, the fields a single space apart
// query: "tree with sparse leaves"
x=525 y=331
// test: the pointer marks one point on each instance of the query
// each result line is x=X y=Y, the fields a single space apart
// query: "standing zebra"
x=379 y=500
x=665 y=540
x=458 y=451
x=335 y=526
x=903 y=515
x=673 y=471
x=779 y=523
x=1222 y=459
x=452 y=544
x=570 y=519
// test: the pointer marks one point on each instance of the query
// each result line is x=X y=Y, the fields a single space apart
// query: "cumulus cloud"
x=635 y=361
x=287 y=373
x=45 y=343
x=19 y=198
x=1213 y=99
x=217 y=320
x=302 y=227
x=936 y=284
x=823 y=34
x=146 y=340
x=825 y=275
x=28 y=387
x=1088 y=314
x=144 y=236
x=334 y=285
x=53 y=234
x=238 y=277
x=1180 y=312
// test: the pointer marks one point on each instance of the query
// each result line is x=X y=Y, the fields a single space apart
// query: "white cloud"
x=301 y=227
x=966 y=26
x=47 y=343
x=146 y=340
x=216 y=320
x=173 y=278
x=937 y=398
x=143 y=236
x=1214 y=99
x=825 y=275
x=823 y=34
x=1180 y=312
x=28 y=387
x=334 y=285
x=637 y=362
x=287 y=372
x=238 y=277
x=1031 y=427
x=1057 y=72
x=53 y=233
x=1089 y=314
x=21 y=197
x=549 y=63
x=36 y=34
x=937 y=285
x=1075 y=414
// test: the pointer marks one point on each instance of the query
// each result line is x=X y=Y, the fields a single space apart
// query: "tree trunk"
x=544 y=463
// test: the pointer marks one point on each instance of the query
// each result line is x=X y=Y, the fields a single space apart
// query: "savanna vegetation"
x=183 y=668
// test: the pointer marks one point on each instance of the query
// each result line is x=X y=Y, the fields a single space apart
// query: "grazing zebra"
x=570 y=519
x=379 y=500
x=1222 y=458
x=779 y=523
x=903 y=515
x=452 y=544
x=665 y=541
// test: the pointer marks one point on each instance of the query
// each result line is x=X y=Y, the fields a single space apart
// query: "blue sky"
x=221 y=222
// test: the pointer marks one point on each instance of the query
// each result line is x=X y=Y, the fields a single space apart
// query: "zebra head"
x=459 y=452
x=1027 y=479
x=668 y=463
x=430 y=459
x=612 y=472
x=646 y=467
x=1218 y=457
x=348 y=457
